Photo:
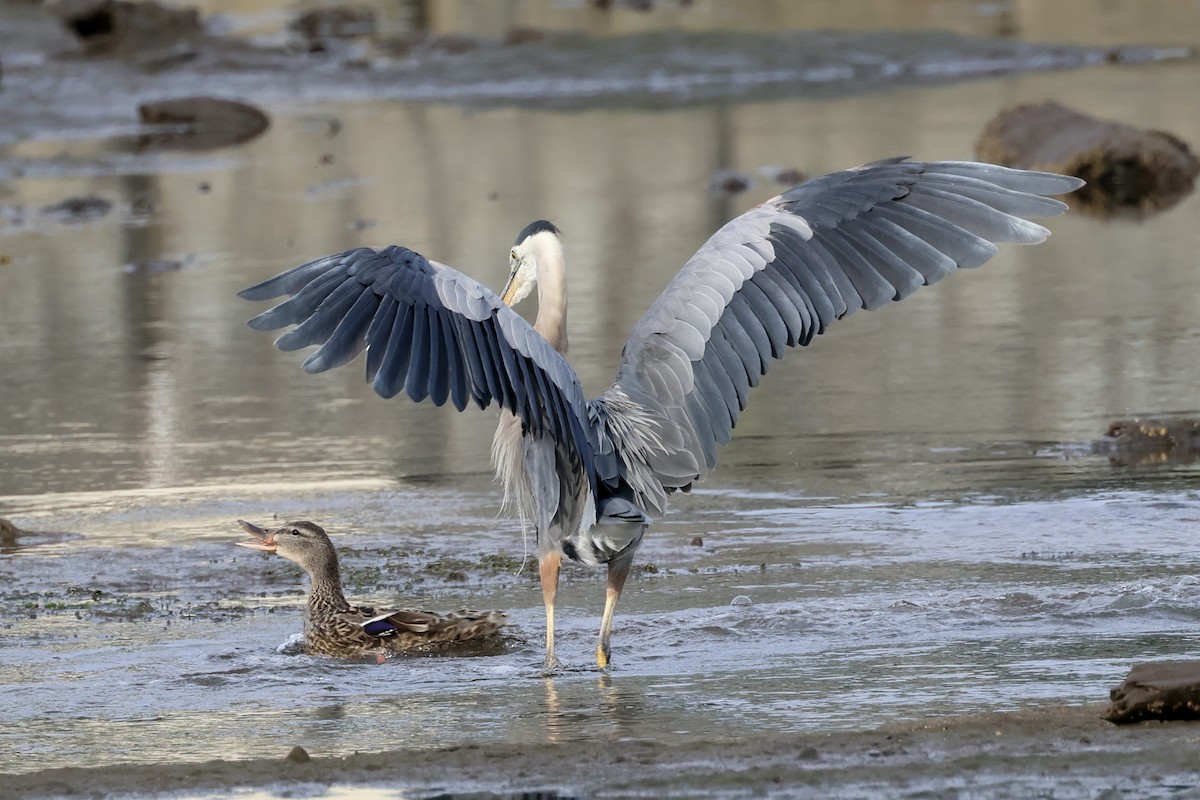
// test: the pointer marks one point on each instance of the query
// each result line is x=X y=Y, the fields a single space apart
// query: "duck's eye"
x=294 y=532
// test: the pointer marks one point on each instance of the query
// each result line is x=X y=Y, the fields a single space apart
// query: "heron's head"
x=537 y=247
x=302 y=542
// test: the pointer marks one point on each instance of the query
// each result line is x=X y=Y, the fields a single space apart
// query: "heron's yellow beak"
x=510 y=290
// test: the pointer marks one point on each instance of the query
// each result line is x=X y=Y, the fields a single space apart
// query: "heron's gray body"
x=591 y=473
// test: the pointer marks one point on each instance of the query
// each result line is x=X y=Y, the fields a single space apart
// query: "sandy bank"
x=1069 y=748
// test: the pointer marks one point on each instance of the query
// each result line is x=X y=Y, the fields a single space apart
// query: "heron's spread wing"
x=782 y=272
x=429 y=331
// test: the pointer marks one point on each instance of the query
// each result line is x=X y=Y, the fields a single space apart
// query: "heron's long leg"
x=618 y=571
x=548 y=567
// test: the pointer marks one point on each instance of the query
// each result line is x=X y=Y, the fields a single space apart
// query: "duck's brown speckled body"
x=333 y=627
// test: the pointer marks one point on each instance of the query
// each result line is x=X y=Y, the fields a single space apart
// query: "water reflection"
x=1062 y=352
x=606 y=707
x=1150 y=21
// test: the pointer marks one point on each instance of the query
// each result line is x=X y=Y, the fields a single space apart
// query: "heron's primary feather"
x=431 y=332
x=783 y=272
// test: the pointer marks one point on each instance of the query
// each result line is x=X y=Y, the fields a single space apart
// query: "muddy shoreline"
x=56 y=85
x=1070 y=747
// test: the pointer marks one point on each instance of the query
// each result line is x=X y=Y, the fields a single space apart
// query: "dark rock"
x=1161 y=690
x=339 y=22
x=79 y=209
x=421 y=43
x=1130 y=171
x=12 y=538
x=154 y=265
x=299 y=755
x=9 y=533
x=729 y=182
x=318 y=26
x=124 y=27
x=787 y=176
x=142 y=207
x=635 y=5
x=200 y=123
x=696 y=542
x=518 y=36
x=1141 y=442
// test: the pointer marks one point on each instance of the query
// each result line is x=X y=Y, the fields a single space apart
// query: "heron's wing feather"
x=783 y=272
x=429 y=331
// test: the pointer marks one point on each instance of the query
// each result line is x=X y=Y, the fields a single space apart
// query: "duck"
x=333 y=627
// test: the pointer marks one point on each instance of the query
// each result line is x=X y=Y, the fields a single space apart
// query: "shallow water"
x=913 y=519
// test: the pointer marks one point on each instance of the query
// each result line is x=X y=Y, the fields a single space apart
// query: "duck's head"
x=303 y=542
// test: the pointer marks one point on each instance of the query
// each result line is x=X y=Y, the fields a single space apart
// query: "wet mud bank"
x=87 y=73
x=1018 y=753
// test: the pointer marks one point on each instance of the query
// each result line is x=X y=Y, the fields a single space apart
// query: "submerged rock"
x=1159 y=690
x=787 y=176
x=1129 y=171
x=317 y=27
x=1140 y=442
x=299 y=755
x=153 y=265
x=200 y=123
x=729 y=182
x=419 y=43
x=13 y=538
x=338 y=22
x=9 y=534
x=78 y=209
x=121 y=26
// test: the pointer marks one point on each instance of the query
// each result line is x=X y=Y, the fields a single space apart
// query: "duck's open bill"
x=266 y=539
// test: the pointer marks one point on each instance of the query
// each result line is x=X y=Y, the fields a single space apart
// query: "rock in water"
x=128 y=28
x=200 y=123
x=1141 y=442
x=1159 y=690
x=1129 y=171
x=299 y=755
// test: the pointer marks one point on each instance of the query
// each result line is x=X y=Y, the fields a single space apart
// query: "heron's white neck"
x=551 y=321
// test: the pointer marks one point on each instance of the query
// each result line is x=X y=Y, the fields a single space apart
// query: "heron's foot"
x=552 y=665
x=603 y=655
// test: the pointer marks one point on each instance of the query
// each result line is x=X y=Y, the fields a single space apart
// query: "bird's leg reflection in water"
x=620 y=710
x=554 y=717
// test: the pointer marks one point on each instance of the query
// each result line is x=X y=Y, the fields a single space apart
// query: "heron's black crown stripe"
x=535 y=227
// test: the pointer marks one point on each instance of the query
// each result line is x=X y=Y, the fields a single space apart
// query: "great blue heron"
x=591 y=473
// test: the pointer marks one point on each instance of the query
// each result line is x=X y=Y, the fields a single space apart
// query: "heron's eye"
x=512 y=256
